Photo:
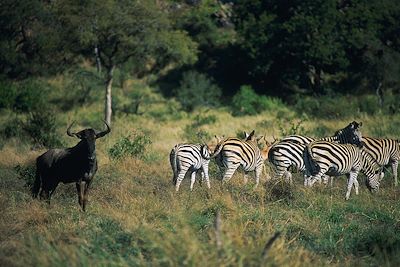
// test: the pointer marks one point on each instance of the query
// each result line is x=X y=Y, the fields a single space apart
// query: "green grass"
x=135 y=218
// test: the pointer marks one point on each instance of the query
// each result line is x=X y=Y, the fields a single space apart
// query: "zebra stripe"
x=285 y=155
x=384 y=151
x=349 y=135
x=334 y=159
x=233 y=152
x=189 y=157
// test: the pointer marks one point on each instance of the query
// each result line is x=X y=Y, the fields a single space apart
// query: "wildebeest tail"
x=36 y=185
x=311 y=167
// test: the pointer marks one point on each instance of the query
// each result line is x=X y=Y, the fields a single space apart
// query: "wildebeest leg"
x=80 y=189
x=86 y=194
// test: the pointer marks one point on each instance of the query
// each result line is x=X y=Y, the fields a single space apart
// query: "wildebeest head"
x=89 y=136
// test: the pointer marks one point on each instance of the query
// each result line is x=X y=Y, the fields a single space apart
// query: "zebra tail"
x=173 y=161
x=311 y=167
x=217 y=150
x=36 y=185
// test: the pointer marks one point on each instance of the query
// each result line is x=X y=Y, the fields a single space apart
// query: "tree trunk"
x=108 y=108
x=98 y=61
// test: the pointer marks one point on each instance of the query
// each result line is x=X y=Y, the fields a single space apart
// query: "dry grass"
x=136 y=219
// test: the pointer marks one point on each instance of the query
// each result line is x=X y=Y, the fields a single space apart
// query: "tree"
x=124 y=31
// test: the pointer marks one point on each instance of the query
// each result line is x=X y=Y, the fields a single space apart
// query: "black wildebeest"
x=76 y=164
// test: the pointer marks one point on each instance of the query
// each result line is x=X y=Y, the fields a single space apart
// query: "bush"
x=133 y=146
x=41 y=127
x=196 y=90
x=193 y=131
x=31 y=96
x=248 y=102
x=13 y=128
x=8 y=94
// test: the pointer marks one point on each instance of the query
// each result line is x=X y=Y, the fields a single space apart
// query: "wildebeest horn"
x=103 y=133
x=69 y=130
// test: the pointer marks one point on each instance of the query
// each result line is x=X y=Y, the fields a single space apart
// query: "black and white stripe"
x=286 y=155
x=233 y=152
x=385 y=152
x=189 y=157
x=349 y=135
x=322 y=157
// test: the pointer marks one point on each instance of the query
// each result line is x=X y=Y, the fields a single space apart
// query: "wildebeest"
x=75 y=164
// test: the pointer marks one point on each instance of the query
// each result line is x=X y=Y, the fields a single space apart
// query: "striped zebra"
x=189 y=157
x=349 y=135
x=233 y=152
x=284 y=155
x=322 y=157
x=385 y=152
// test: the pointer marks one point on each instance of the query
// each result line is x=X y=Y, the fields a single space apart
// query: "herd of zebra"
x=347 y=152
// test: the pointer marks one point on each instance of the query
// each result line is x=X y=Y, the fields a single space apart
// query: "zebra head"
x=372 y=171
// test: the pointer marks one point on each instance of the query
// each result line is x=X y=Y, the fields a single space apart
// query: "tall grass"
x=135 y=218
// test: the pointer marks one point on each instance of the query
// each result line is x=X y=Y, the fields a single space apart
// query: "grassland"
x=135 y=218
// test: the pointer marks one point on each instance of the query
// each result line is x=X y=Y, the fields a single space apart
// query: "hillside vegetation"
x=135 y=218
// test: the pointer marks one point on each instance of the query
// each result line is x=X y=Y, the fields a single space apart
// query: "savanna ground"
x=135 y=218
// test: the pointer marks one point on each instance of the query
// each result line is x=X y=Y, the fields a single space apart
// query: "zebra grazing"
x=384 y=151
x=349 y=135
x=189 y=157
x=233 y=152
x=322 y=157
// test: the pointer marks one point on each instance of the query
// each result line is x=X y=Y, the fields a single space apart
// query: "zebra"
x=348 y=135
x=322 y=157
x=284 y=155
x=189 y=157
x=233 y=152
x=384 y=151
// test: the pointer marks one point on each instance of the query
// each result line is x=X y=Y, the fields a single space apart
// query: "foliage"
x=306 y=40
x=193 y=132
x=8 y=94
x=291 y=127
x=26 y=96
x=26 y=173
x=248 y=102
x=41 y=128
x=196 y=89
x=133 y=146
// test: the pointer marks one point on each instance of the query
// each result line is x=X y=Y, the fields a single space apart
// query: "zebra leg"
x=395 y=164
x=315 y=178
x=352 y=177
x=205 y=175
x=229 y=172
x=192 y=180
x=258 y=174
x=181 y=175
x=356 y=185
x=245 y=178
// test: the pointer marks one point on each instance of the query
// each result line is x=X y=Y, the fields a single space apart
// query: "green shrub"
x=130 y=146
x=196 y=89
x=31 y=96
x=291 y=127
x=27 y=173
x=193 y=132
x=248 y=102
x=41 y=127
x=13 y=128
x=8 y=94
